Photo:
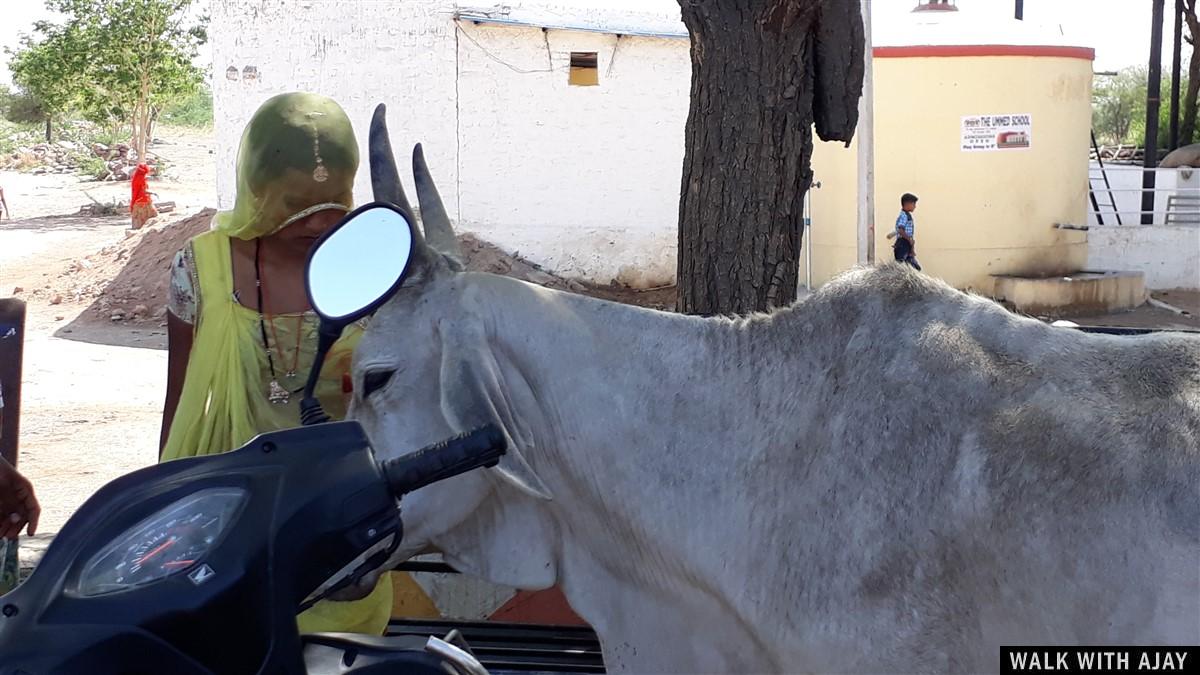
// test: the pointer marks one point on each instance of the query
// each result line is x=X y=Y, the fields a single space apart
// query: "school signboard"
x=987 y=133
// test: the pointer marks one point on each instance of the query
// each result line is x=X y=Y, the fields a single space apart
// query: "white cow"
x=891 y=476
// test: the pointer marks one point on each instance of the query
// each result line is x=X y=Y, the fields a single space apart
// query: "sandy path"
x=92 y=395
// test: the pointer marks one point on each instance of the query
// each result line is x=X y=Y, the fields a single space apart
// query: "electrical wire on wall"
x=612 y=60
x=506 y=64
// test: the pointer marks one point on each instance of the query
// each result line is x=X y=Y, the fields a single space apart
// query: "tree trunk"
x=1187 y=128
x=151 y=124
x=48 y=128
x=762 y=71
x=135 y=130
x=141 y=119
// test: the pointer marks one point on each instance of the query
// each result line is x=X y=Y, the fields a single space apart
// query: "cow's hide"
x=890 y=476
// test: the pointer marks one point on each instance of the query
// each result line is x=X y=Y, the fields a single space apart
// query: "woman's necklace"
x=276 y=393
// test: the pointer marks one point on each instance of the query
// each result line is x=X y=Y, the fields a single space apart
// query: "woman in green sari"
x=240 y=330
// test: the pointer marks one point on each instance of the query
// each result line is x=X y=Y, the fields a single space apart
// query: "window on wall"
x=584 y=72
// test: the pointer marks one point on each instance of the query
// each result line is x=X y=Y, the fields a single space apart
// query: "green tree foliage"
x=47 y=71
x=20 y=107
x=1119 y=108
x=194 y=111
x=118 y=62
x=1117 y=101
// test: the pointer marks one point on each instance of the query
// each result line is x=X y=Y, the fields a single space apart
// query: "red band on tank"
x=914 y=51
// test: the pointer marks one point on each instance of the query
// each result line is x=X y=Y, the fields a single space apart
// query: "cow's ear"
x=472 y=396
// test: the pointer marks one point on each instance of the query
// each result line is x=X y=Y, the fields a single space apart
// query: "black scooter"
x=200 y=566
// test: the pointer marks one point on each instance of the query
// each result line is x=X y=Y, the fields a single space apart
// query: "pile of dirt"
x=480 y=256
x=127 y=281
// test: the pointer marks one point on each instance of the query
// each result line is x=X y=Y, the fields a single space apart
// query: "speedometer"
x=170 y=541
x=176 y=546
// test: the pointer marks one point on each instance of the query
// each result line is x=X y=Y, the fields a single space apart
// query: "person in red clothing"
x=141 y=206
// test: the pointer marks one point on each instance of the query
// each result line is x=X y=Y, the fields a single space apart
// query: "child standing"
x=905 y=248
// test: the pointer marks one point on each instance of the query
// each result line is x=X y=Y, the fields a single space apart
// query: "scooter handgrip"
x=471 y=450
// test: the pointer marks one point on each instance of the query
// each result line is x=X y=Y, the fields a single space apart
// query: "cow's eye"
x=375 y=380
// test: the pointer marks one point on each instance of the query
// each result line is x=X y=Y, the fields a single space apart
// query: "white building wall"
x=398 y=52
x=1168 y=255
x=582 y=180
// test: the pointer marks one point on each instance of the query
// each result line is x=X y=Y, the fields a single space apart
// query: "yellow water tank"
x=988 y=123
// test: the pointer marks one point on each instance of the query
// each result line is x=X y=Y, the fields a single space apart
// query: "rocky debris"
x=481 y=256
x=539 y=277
x=102 y=209
x=64 y=156
x=42 y=158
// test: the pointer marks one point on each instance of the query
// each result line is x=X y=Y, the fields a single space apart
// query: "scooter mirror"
x=356 y=266
x=352 y=270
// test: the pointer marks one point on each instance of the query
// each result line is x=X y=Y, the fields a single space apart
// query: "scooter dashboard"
x=174 y=540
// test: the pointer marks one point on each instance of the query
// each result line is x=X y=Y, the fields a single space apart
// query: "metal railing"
x=1115 y=192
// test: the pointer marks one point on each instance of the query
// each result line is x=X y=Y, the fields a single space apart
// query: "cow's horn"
x=438 y=232
x=385 y=178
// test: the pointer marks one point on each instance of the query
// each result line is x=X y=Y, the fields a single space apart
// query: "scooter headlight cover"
x=172 y=541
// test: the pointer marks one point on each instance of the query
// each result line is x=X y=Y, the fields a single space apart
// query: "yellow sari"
x=228 y=369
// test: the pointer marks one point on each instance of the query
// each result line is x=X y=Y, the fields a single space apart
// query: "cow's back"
x=966 y=478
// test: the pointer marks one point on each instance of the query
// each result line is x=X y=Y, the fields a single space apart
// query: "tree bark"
x=141 y=119
x=1187 y=128
x=762 y=72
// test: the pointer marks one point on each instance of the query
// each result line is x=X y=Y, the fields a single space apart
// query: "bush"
x=21 y=108
x=88 y=164
x=194 y=111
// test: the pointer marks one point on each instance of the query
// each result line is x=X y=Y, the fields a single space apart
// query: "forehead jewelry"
x=320 y=174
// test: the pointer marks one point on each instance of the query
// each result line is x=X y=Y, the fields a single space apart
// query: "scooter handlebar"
x=480 y=447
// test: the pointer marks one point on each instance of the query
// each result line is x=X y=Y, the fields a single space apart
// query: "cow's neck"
x=644 y=417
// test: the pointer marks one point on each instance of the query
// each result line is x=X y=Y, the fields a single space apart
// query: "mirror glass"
x=358 y=263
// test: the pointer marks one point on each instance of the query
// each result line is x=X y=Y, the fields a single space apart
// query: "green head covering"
x=298 y=155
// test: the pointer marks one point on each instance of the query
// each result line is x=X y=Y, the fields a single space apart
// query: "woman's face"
x=307 y=230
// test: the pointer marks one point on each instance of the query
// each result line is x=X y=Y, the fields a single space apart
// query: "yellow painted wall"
x=981 y=213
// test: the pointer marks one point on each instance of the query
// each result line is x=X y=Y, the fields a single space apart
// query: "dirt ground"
x=1151 y=315
x=93 y=386
x=92 y=390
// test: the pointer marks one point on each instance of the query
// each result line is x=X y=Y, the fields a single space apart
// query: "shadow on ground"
x=1153 y=315
x=63 y=223
x=99 y=332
